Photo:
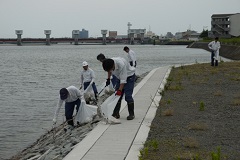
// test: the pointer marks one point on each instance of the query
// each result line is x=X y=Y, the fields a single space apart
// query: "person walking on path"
x=214 y=46
x=131 y=56
x=101 y=57
x=125 y=83
x=87 y=77
x=71 y=96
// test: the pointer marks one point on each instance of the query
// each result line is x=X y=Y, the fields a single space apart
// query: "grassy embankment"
x=228 y=41
x=198 y=115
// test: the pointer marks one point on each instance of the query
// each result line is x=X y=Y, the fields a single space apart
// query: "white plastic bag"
x=89 y=93
x=85 y=112
x=108 y=106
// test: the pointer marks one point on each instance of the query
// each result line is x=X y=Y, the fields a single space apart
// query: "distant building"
x=194 y=37
x=149 y=34
x=225 y=25
x=169 y=35
x=178 y=35
x=112 y=34
x=83 y=34
x=187 y=35
x=136 y=33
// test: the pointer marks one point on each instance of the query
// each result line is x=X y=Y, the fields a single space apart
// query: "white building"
x=225 y=25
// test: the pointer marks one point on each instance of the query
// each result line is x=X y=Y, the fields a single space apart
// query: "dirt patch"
x=198 y=116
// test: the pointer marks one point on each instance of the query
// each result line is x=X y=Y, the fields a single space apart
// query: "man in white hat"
x=87 y=77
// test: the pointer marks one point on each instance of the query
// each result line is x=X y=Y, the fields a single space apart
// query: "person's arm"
x=59 y=105
x=210 y=45
x=219 y=45
x=109 y=74
x=81 y=80
x=92 y=76
x=123 y=76
x=108 y=79
x=78 y=93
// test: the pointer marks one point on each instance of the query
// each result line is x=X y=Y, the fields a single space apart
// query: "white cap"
x=84 y=64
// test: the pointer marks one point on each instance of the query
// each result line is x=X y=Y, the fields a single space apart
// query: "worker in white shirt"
x=101 y=57
x=214 y=46
x=87 y=77
x=125 y=75
x=71 y=96
x=131 y=56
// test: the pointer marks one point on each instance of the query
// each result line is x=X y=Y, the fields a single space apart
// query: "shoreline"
x=56 y=143
x=227 y=51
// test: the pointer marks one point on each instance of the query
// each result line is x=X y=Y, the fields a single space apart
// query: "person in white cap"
x=87 y=78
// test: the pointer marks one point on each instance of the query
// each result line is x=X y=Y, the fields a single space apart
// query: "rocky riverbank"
x=227 y=51
x=57 y=142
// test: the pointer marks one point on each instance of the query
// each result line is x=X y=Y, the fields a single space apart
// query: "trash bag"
x=106 y=89
x=108 y=106
x=89 y=93
x=85 y=112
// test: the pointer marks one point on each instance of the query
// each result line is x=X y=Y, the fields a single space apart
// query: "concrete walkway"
x=123 y=141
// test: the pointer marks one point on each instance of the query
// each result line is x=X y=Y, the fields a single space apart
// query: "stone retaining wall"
x=227 y=51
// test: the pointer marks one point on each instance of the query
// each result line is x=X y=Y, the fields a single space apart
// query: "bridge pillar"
x=142 y=38
x=75 y=36
x=104 y=33
x=132 y=40
x=47 y=33
x=19 y=38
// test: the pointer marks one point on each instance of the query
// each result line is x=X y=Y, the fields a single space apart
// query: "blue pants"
x=114 y=81
x=212 y=60
x=69 y=108
x=86 y=84
x=128 y=89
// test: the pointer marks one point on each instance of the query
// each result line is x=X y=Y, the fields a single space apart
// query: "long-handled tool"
x=101 y=90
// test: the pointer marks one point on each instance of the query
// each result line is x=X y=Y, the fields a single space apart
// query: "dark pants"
x=212 y=59
x=128 y=89
x=86 y=84
x=69 y=109
x=114 y=81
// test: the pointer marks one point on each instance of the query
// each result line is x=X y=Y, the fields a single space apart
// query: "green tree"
x=204 y=34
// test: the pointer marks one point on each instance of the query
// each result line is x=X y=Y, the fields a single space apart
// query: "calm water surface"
x=31 y=77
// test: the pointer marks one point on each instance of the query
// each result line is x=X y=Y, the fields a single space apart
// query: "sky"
x=63 y=16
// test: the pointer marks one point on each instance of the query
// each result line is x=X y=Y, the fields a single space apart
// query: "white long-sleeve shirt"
x=215 y=46
x=73 y=95
x=122 y=69
x=132 y=57
x=87 y=76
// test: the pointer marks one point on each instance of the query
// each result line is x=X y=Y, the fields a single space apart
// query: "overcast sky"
x=63 y=16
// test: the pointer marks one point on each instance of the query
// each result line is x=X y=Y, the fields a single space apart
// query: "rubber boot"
x=131 y=111
x=116 y=111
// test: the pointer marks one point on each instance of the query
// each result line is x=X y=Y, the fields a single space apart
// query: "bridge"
x=68 y=40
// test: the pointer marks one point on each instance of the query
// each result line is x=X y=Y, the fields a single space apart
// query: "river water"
x=31 y=77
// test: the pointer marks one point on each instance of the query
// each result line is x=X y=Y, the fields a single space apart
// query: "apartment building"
x=225 y=25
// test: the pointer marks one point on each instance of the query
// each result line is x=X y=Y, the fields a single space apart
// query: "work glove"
x=108 y=82
x=54 y=121
x=118 y=93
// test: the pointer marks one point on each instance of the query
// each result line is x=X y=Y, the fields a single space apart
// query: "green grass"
x=229 y=41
